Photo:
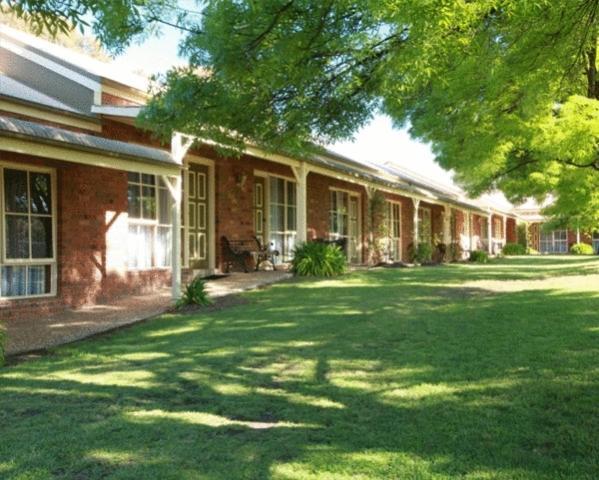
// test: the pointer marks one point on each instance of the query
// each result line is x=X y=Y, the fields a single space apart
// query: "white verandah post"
x=490 y=234
x=447 y=225
x=504 y=231
x=301 y=177
x=415 y=233
x=180 y=144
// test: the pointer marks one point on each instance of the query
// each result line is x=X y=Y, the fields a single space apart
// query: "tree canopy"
x=506 y=91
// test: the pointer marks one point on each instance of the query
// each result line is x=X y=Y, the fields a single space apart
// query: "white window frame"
x=284 y=256
x=421 y=225
x=391 y=239
x=348 y=237
x=553 y=241
x=154 y=223
x=22 y=262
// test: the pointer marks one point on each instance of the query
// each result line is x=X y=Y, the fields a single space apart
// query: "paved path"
x=25 y=335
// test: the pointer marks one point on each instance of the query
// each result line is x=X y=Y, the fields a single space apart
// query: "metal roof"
x=11 y=127
x=14 y=89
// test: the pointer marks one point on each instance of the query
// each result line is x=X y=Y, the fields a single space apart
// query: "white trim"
x=211 y=209
x=95 y=67
x=31 y=262
x=43 y=113
x=115 y=111
x=87 y=82
x=74 y=155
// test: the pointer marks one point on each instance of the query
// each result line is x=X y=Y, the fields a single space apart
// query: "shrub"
x=423 y=253
x=2 y=340
x=531 y=251
x=318 y=259
x=194 y=293
x=523 y=234
x=513 y=249
x=454 y=252
x=581 y=249
x=479 y=256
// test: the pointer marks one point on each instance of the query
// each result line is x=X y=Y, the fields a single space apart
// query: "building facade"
x=93 y=208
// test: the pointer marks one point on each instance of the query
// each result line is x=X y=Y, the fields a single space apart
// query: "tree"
x=74 y=40
x=506 y=91
x=115 y=23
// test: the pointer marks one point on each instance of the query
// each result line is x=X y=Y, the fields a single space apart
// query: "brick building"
x=93 y=208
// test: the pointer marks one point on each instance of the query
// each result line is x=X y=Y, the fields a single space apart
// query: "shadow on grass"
x=403 y=380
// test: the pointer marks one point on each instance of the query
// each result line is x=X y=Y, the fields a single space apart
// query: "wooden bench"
x=242 y=252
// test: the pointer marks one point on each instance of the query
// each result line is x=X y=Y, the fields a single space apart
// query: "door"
x=354 y=229
x=393 y=216
x=259 y=206
x=197 y=216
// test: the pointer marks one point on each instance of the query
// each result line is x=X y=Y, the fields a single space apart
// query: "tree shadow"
x=381 y=375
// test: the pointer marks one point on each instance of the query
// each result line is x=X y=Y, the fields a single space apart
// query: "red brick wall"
x=511 y=230
x=108 y=99
x=91 y=220
x=318 y=188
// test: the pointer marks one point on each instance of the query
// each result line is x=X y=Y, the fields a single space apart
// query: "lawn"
x=461 y=371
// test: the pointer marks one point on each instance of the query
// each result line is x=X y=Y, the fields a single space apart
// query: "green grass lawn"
x=461 y=371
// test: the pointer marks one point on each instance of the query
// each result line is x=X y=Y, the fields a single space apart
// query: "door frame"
x=266 y=175
x=211 y=244
x=359 y=238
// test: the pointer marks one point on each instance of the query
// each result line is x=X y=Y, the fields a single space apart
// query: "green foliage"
x=116 y=23
x=423 y=253
x=479 y=256
x=523 y=234
x=318 y=259
x=2 y=342
x=403 y=374
x=582 y=249
x=194 y=293
x=454 y=252
x=532 y=251
x=513 y=249
x=518 y=110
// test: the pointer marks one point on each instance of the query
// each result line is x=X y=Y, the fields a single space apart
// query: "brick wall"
x=318 y=205
x=91 y=221
x=511 y=230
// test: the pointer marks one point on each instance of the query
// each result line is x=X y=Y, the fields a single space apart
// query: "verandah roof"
x=12 y=127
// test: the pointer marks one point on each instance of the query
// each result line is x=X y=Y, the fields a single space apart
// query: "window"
x=425 y=231
x=283 y=216
x=27 y=267
x=150 y=219
x=498 y=228
x=345 y=221
x=555 y=241
x=596 y=242
x=393 y=221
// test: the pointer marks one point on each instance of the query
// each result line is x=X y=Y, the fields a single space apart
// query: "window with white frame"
x=596 y=242
x=149 y=240
x=344 y=215
x=498 y=228
x=555 y=241
x=28 y=262
x=393 y=219
x=283 y=216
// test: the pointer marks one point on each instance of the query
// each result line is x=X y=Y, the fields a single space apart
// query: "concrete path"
x=30 y=334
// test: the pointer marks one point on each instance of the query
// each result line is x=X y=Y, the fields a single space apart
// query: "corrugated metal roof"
x=52 y=135
x=11 y=88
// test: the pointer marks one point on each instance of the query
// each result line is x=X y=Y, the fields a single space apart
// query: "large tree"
x=506 y=91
